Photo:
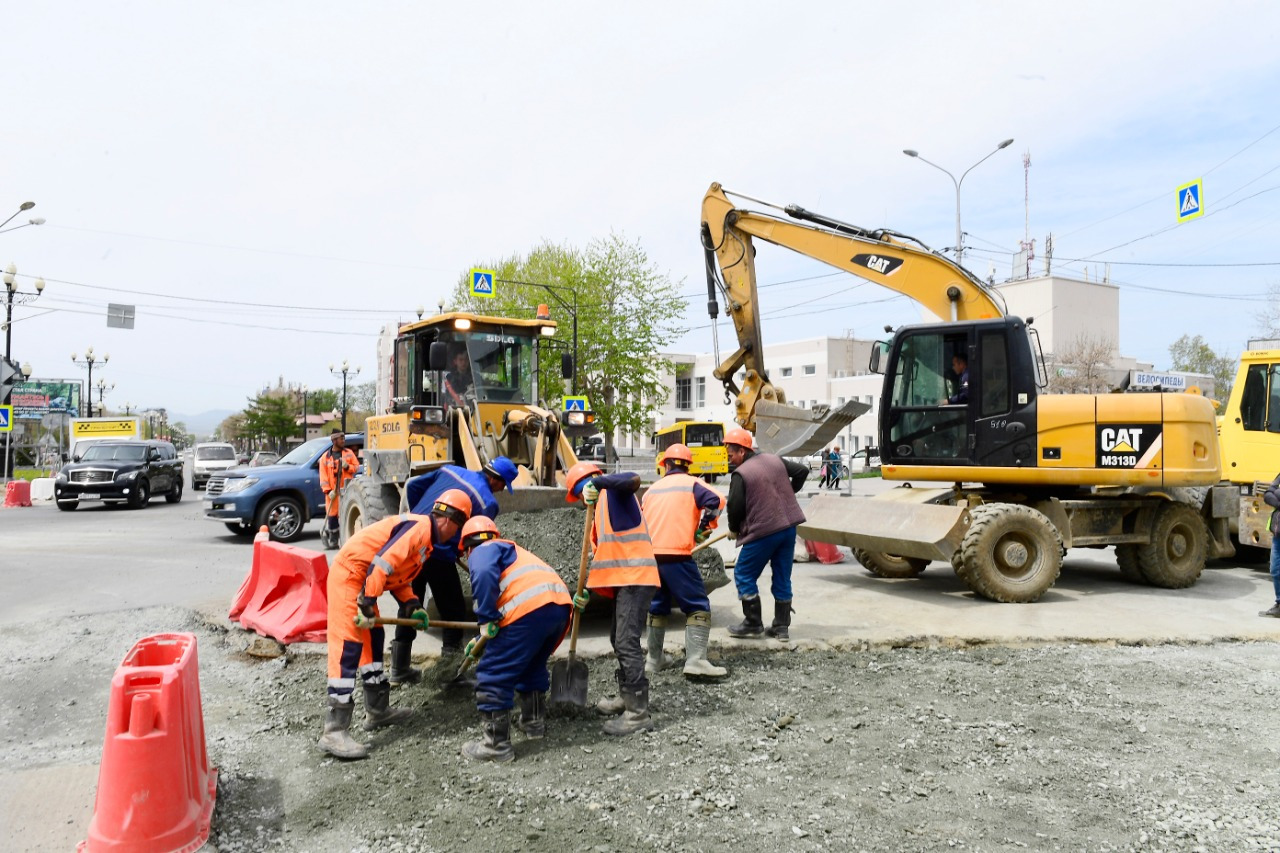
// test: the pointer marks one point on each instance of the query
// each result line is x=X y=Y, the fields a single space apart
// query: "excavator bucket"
x=900 y=522
x=792 y=431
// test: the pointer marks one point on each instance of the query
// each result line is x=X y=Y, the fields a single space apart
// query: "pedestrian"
x=825 y=469
x=833 y=467
x=680 y=512
x=1272 y=499
x=623 y=568
x=523 y=607
x=763 y=514
x=337 y=467
x=441 y=569
x=383 y=557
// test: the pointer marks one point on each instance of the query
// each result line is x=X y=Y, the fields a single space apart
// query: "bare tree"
x=1083 y=366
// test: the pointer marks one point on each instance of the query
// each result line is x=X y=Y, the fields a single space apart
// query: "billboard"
x=34 y=399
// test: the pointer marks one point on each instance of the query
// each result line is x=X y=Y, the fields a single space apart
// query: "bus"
x=705 y=440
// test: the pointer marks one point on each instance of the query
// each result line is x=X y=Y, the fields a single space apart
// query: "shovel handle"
x=582 y=578
x=471 y=658
x=414 y=623
x=713 y=540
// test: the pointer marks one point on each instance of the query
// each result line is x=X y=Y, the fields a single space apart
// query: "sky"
x=270 y=183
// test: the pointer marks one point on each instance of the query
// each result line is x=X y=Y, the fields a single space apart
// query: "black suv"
x=128 y=471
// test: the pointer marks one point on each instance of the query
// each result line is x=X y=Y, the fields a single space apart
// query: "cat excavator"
x=1022 y=475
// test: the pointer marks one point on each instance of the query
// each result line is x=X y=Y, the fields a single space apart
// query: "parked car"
x=121 y=471
x=212 y=457
x=283 y=497
x=866 y=459
x=263 y=457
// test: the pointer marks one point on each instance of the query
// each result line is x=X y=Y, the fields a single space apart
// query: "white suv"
x=211 y=458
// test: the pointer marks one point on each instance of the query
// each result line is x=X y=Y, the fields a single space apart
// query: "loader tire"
x=1010 y=553
x=364 y=503
x=1178 y=548
x=889 y=565
x=1127 y=560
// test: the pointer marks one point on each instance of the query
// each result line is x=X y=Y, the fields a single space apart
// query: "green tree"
x=272 y=416
x=1193 y=355
x=324 y=400
x=628 y=310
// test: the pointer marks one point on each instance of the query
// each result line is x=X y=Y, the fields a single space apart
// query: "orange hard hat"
x=577 y=474
x=478 y=529
x=454 y=504
x=738 y=436
x=678 y=453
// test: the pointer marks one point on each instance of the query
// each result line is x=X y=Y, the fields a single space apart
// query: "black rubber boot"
x=781 y=629
x=751 y=627
x=337 y=739
x=496 y=743
x=402 y=671
x=377 y=707
x=635 y=716
x=533 y=714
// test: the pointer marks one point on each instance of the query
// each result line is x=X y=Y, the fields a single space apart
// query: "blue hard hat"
x=503 y=468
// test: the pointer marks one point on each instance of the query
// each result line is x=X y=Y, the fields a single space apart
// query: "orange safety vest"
x=386 y=555
x=622 y=557
x=527 y=584
x=335 y=474
x=672 y=514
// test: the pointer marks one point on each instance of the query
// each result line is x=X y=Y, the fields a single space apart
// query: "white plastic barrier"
x=42 y=489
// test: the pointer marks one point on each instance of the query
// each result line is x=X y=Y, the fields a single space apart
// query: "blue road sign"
x=575 y=404
x=482 y=283
x=1190 y=200
x=6 y=418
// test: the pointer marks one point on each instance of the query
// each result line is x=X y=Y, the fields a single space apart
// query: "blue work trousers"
x=776 y=549
x=681 y=582
x=516 y=659
x=1275 y=563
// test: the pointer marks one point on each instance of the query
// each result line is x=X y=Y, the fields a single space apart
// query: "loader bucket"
x=792 y=431
x=890 y=523
x=531 y=498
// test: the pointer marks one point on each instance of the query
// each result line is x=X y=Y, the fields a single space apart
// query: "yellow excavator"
x=1022 y=475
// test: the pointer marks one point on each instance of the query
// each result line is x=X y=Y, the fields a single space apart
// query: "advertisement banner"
x=37 y=398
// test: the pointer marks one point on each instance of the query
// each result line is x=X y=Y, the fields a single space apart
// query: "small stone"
x=798 y=832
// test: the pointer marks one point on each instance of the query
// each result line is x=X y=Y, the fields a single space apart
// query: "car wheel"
x=68 y=506
x=240 y=528
x=175 y=494
x=141 y=495
x=282 y=517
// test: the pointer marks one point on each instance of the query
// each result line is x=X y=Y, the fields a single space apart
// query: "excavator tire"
x=1179 y=544
x=889 y=565
x=1127 y=560
x=364 y=503
x=1011 y=553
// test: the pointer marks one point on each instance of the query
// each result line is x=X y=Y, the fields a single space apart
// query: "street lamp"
x=103 y=387
x=346 y=369
x=959 y=234
x=25 y=369
x=22 y=208
x=304 y=412
x=128 y=407
x=89 y=361
x=12 y=294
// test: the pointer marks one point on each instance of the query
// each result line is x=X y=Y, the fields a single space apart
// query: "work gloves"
x=580 y=600
x=420 y=616
x=366 y=612
x=701 y=535
x=590 y=494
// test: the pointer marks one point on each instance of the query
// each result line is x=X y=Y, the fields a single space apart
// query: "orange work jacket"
x=386 y=556
x=672 y=514
x=527 y=584
x=336 y=473
x=622 y=557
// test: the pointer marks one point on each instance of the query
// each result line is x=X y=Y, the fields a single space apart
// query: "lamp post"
x=571 y=308
x=959 y=234
x=343 y=372
x=25 y=370
x=89 y=361
x=22 y=208
x=128 y=407
x=103 y=387
x=304 y=412
x=12 y=295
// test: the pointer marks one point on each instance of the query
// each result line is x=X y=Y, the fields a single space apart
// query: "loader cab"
x=927 y=417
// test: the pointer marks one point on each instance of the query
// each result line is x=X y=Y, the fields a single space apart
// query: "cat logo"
x=1129 y=445
x=877 y=263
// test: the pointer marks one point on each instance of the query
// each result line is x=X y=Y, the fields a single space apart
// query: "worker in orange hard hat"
x=623 y=568
x=383 y=557
x=337 y=466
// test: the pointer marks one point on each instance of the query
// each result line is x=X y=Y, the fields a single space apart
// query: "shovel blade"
x=569 y=683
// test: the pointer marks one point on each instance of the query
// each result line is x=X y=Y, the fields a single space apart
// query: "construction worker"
x=763 y=514
x=622 y=568
x=337 y=467
x=383 y=557
x=523 y=607
x=441 y=569
x=680 y=512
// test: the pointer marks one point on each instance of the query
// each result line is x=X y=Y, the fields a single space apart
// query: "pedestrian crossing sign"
x=6 y=418
x=1191 y=200
x=482 y=283
x=576 y=404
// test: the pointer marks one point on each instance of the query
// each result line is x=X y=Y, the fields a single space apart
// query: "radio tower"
x=1027 y=245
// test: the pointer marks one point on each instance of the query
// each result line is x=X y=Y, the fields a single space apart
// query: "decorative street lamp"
x=89 y=361
x=9 y=451
x=304 y=412
x=12 y=295
x=103 y=387
x=346 y=369
x=910 y=152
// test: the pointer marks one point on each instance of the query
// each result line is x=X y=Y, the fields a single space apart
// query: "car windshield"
x=302 y=454
x=215 y=453
x=115 y=452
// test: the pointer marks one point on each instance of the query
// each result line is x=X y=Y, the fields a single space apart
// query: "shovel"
x=569 y=677
x=471 y=658
x=713 y=540
x=435 y=623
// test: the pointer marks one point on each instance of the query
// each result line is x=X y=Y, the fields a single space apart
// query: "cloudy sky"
x=270 y=182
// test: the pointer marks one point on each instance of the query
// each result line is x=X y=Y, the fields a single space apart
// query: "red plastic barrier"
x=824 y=552
x=285 y=596
x=17 y=493
x=246 y=588
x=156 y=789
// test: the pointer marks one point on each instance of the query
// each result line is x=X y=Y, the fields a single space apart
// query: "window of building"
x=810 y=369
x=700 y=392
x=813 y=404
x=786 y=371
x=840 y=401
x=684 y=393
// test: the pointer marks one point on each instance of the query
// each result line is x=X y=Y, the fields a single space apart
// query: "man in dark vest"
x=763 y=514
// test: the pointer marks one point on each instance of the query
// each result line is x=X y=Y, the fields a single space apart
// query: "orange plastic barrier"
x=284 y=596
x=246 y=588
x=17 y=493
x=155 y=786
x=824 y=552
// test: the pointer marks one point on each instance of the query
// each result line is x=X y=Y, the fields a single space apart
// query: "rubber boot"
x=496 y=743
x=614 y=705
x=751 y=627
x=697 y=636
x=781 y=628
x=377 y=707
x=337 y=739
x=656 y=659
x=533 y=714
x=635 y=717
x=402 y=672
